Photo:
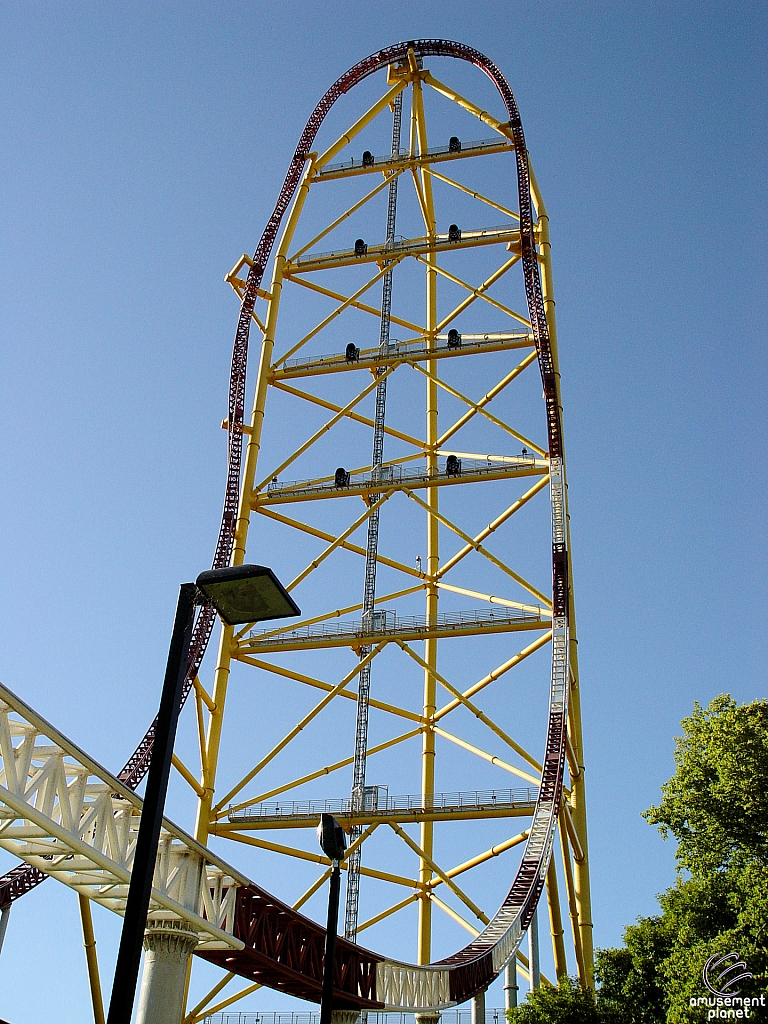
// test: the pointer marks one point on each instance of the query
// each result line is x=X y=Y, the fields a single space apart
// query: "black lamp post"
x=333 y=843
x=243 y=593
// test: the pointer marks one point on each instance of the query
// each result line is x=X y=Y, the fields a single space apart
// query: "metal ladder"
x=369 y=595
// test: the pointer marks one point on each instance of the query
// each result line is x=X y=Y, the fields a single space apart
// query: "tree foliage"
x=716 y=807
x=569 y=1003
x=716 y=803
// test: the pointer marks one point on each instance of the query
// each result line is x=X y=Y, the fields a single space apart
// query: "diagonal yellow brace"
x=492 y=527
x=488 y=722
x=451 y=94
x=487 y=398
x=474 y=932
x=475 y=195
x=363 y=307
x=479 y=292
x=488 y=757
x=333 y=615
x=495 y=674
x=315 y=858
x=361 y=123
x=476 y=293
x=389 y=911
x=189 y=1019
x=347 y=213
x=479 y=409
x=481 y=858
x=318 y=684
x=293 y=733
x=536 y=609
x=320 y=772
x=480 y=549
x=340 y=539
x=439 y=872
x=323 y=430
x=355 y=416
x=322 y=535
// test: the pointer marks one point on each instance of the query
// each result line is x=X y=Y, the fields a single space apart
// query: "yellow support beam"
x=351 y=302
x=423 y=856
x=475 y=195
x=313 y=531
x=331 y=316
x=294 y=732
x=327 y=770
x=419 y=137
x=556 y=921
x=480 y=715
x=492 y=527
x=494 y=675
x=314 y=858
x=344 y=216
x=316 y=562
x=380 y=705
x=479 y=293
x=323 y=403
x=482 y=411
x=487 y=398
x=491 y=758
x=362 y=122
x=89 y=942
x=316 y=436
x=388 y=912
x=481 y=858
x=481 y=550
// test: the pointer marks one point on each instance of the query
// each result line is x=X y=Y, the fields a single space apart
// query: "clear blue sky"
x=142 y=150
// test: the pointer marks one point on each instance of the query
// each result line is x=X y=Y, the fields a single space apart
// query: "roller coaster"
x=68 y=817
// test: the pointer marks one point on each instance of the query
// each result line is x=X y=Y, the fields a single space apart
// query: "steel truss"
x=255 y=948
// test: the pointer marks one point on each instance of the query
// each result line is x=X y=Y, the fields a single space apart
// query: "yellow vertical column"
x=221 y=676
x=578 y=792
x=89 y=942
x=424 y=952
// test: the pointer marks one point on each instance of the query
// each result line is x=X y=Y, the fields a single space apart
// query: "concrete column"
x=344 y=1016
x=5 y=913
x=510 y=984
x=533 y=951
x=478 y=1008
x=168 y=945
x=427 y=1018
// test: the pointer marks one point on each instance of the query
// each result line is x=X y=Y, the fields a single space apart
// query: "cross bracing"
x=484 y=573
x=461 y=289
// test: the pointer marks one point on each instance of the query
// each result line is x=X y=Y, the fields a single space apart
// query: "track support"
x=89 y=942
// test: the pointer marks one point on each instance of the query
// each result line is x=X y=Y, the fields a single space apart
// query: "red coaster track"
x=282 y=946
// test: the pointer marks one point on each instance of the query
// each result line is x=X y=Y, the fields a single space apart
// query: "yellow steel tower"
x=459 y=647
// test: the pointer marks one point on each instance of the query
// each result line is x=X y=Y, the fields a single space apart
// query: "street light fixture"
x=246 y=593
x=333 y=843
x=243 y=593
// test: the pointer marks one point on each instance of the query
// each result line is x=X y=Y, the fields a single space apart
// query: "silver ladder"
x=369 y=595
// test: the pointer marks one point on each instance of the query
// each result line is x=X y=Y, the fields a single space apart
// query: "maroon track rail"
x=281 y=944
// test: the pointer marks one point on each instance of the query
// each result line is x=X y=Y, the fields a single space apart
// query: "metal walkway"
x=403 y=477
x=443 y=806
x=387 y=626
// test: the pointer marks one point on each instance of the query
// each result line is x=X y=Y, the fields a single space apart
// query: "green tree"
x=716 y=803
x=631 y=985
x=716 y=807
x=569 y=1003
